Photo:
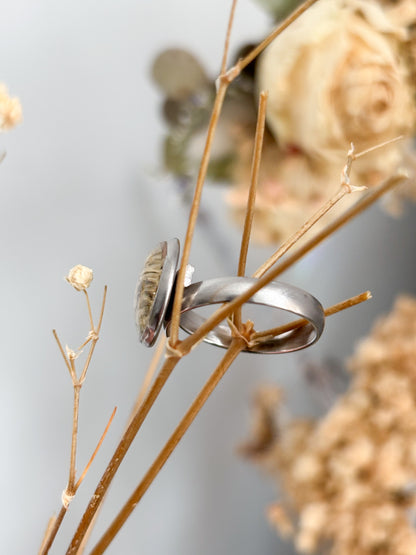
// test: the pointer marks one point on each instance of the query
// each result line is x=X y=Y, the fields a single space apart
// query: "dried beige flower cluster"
x=80 y=277
x=341 y=73
x=349 y=480
x=10 y=110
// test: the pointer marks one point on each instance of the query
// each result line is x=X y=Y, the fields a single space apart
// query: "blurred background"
x=82 y=184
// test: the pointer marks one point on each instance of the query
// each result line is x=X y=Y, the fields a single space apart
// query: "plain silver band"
x=276 y=295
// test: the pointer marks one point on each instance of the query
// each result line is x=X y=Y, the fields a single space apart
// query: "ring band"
x=156 y=289
x=276 y=295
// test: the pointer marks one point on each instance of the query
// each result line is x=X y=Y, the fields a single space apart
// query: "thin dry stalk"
x=154 y=363
x=77 y=383
x=365 y=202
x=348 y=303
x=49 y=527
x=255 y=168
x=185 y=346
x=248 y=222
x=89 y=463
x=70 y=489
x=223 y=312
x=345 y=188
x=175 y=349
x=295 y=238
x=224 y=80
x=174 y=354
x=237 y=345
x=244 y=62
x=227 y=38
x=160 y=348
x=121 y=451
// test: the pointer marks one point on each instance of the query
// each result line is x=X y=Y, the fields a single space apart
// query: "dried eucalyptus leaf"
x=279 y=9
x=178 y=73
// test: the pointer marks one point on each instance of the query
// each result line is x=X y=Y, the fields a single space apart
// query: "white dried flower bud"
x=80 y=277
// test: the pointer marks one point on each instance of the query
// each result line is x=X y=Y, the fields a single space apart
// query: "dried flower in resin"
x=10 y=110
x=349 y=479
x=147 y=286
x=79 y=277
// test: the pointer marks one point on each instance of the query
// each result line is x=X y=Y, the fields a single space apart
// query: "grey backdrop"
x=81 y=184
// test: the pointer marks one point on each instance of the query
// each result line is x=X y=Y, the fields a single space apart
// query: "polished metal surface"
x=276 y=295
x=162 y=294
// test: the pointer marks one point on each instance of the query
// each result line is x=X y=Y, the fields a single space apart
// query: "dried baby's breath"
x=80 y=277
x=350 y=476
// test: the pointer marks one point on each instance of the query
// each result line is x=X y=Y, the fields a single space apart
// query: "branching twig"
x=160 y=348
x=89 y=463
x=235 y=348
x=77 y=383
x=223 y=81
x=223 y=312
x=175 y=349
x=273 y=332
x=255 y=167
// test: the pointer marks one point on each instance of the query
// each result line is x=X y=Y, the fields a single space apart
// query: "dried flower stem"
x=70 y=369
x=237 y=345
x=367 y=200
x=160 y=348
x=255 y=167
x=216 y=111
x=72 y=466
x=227 y=38
x=77 y=383
x=84 y=473
x=95 y=336
x=89 y=309
x=121 y=451
x=241 y=64
x=376 y=147
x=296 y=236
x=49 y=527
x=348 y=303
x=223 y=81
x=345 y=188
x=175 y=349
x=223 y=312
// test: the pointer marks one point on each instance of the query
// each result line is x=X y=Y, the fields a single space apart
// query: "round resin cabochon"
x=154 y=289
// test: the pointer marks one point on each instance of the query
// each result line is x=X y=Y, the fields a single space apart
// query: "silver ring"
x=278 y=295
x=155 y=290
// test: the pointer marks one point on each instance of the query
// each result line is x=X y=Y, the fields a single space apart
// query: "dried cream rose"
x=79 y=277
x=335 y=76
x=10 y=110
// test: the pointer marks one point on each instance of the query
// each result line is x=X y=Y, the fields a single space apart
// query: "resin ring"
x=155 y=290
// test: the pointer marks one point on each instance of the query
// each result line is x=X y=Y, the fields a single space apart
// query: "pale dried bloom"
x=351 y=477
x=10 y=110
x=291 y=187
x=79 y=277
x=335 y=76
x=341 y=73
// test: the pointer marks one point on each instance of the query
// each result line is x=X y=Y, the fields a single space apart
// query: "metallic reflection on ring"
x=275 y=295
x=156 y=288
